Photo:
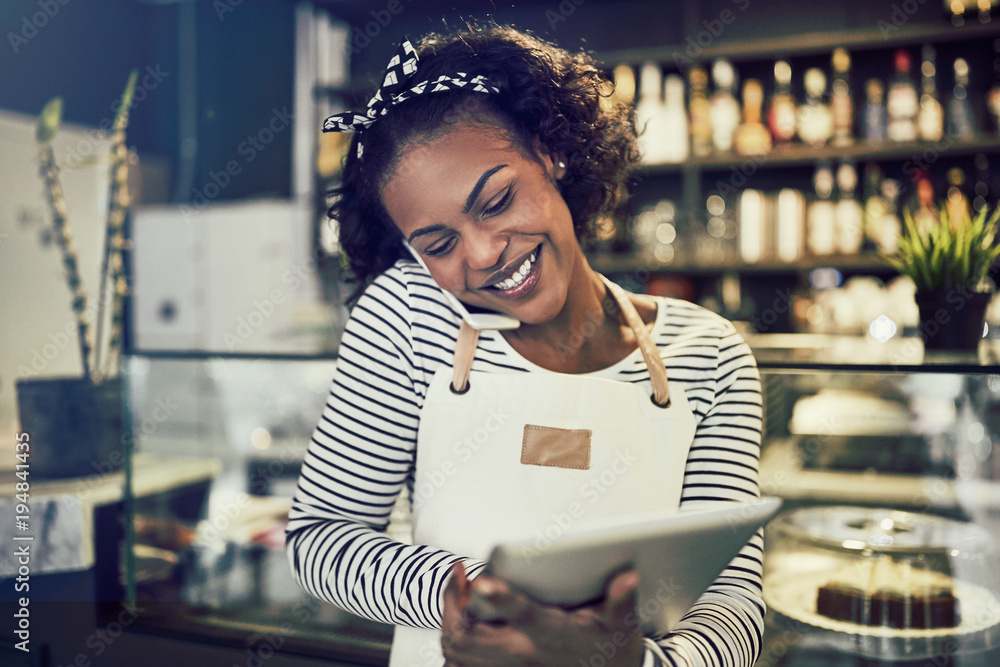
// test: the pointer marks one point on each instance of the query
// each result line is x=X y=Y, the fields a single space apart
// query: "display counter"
x=849 y=422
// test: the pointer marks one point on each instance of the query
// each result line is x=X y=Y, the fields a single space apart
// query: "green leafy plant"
x=49 y=122
x=948 y=254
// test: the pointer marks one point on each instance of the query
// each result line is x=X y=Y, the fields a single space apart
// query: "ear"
x=554 y=163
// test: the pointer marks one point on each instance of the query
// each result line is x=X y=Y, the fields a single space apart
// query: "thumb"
x=456 y=597
x=458 y=583
x=622 y=593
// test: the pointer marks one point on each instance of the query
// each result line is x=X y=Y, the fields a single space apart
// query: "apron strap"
x=650 y=353
x=465 y=351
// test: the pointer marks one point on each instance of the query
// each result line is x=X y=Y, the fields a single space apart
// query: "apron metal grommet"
x=652 y=398
x=468 y=385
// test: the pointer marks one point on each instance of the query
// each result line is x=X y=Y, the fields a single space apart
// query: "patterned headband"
x=396 y=88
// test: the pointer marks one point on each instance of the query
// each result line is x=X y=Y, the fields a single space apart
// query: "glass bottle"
x=930 y=118
x=874 y=206
x=902 y=102
x=875 y=120
x=961 y=122
x=891 y=228
x=725 y=109
x=993 y=98
x=649 y=115
x=781 y=114
x=849 y=216
x=821 y=234
x=815 y=120
x=925 y=216
x=957 y=202
x=790 y=222
x=840 y=100
x=752 y=138
x=701 y=113
x=624 y=88
x=982 y=187
x=677 y=146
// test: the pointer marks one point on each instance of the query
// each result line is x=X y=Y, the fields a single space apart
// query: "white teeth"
x=519 y=275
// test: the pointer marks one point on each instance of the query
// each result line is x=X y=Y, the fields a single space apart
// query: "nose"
x=484 y=248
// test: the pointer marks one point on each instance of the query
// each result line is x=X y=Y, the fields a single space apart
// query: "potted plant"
x=75 y=423
x=949 y=257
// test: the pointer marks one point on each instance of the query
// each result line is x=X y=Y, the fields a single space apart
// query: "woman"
x=491 y=153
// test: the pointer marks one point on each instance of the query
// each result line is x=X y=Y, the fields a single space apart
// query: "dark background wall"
x=84 y=49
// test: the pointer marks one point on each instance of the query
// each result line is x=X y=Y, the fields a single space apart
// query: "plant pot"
x=75 y=426
x=952 y=319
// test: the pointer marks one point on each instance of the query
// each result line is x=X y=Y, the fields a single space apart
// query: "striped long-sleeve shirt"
x=362 y=454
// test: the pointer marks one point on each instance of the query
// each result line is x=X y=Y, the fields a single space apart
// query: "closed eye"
x=441 y=248
x=504 y=202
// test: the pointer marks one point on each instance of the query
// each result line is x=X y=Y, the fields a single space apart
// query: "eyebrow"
x=479 y=187
x=476 y=190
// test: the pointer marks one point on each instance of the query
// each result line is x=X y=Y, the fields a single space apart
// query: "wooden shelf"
x=862 y=38
x=633 y=263
x=920 y=152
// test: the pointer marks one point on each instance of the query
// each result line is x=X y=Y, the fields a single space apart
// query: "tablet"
x=677 y=555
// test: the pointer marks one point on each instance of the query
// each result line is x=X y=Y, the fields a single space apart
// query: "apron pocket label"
x=556 y=447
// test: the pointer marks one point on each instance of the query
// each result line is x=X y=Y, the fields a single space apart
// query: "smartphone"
x=477 y=317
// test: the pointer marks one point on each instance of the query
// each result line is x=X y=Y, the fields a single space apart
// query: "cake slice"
x=889 y=593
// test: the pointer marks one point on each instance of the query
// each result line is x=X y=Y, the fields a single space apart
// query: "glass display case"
x=857 y=433
x=888 y=461
x=212 y=568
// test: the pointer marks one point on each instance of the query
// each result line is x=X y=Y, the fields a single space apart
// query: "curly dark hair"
x=545 y=91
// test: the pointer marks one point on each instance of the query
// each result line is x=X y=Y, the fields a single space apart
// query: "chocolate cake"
x=890 y=594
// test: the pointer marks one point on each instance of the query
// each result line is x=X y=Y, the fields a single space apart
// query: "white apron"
x=506 y=459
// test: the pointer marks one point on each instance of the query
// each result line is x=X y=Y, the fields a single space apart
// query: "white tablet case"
x=677 y=555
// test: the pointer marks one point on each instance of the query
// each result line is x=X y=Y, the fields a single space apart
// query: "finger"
x=622 y=593
x=489 y=646
x=455 y=600
x=492 y=600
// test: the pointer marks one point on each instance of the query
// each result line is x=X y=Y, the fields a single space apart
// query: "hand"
x=489 y=622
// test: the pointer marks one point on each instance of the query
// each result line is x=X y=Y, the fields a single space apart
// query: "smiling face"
x=487 y=218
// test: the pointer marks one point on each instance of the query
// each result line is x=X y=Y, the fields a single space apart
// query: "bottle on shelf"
x=624 y=88
x=841 y=104
x=925 y=216
x=650 y=117
x=875 y=115
x=752 y=138
x=993 y=97
x=790 y=223
x=961 y=121
x=982 y=187
x=815 y=120
x=902 y=102
x=752 y=217
x=677 y=146
x=701 y=113
x=725 y=109
x=723 y=230
x=890 y=228
x=781 y=113
x=849 y=216
x=957 y=202
x=874 y=206
x=821 y=235
x=930 y=118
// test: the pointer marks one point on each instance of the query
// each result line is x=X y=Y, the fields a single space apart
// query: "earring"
x=562 y=165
